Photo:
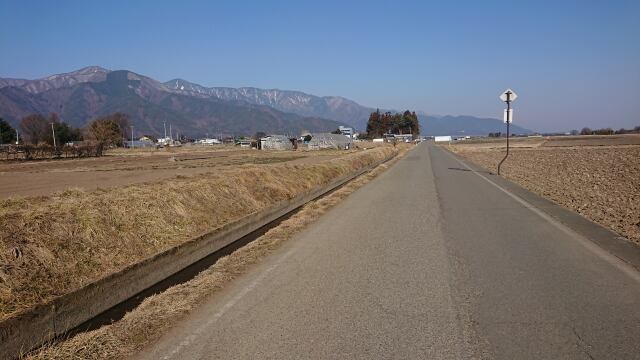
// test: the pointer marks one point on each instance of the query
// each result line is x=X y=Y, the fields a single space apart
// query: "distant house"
x=245 y=143
x=276 y=142
x=404 y=137
x=329 y=141
x=139 y=144
x=209 y=142
x=148 y=138
x=346 y=131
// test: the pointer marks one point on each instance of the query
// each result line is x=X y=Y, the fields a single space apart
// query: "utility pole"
x=132 y=145
x=54 y=136
x=508 y=96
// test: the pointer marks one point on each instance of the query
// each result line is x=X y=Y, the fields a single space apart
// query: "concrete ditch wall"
x=42 y=323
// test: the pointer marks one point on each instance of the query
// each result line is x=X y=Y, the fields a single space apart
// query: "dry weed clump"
x=52 y=245
x=155 y=315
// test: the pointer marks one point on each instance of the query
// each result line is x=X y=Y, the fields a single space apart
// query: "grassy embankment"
x=140 y=327
x=52 y=245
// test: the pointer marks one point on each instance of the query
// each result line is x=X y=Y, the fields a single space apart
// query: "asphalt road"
x=428 y=261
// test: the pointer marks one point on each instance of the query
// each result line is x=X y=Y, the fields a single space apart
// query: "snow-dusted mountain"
x=83 y=95
x=329 y=107
x=19 y=97
x=87 y=74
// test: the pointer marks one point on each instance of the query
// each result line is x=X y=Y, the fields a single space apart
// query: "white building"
x=442 y=138
x=347 y=131
x=209 y=142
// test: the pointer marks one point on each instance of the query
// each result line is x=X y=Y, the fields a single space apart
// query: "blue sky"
x=573 y=63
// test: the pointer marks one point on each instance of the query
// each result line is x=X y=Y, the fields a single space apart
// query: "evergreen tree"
x=7 y=133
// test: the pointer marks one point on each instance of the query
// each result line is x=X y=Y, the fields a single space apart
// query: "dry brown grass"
x=54 y=244
x=156 y=314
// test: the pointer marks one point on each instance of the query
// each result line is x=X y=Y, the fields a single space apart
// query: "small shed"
x=329 y=141
x=276 y=142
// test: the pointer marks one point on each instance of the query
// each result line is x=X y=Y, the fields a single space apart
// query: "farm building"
x=347 y=131
x=139 y=144
x=245 y=143
x=329 y=141
x=442 y=139
x=403 y=137
x=276 y=142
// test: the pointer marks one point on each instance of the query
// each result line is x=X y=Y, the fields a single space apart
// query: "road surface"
x=428 y=261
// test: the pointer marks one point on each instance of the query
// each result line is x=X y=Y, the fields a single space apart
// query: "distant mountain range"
x=339 y=109
x=329 y=107
x=85 y=94
x=193 y=109
x=465 y=125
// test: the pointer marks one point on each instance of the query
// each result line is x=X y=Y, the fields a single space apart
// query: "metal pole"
x=164 y=123
x=508 y=123
x=54 y=136
x=132 y=145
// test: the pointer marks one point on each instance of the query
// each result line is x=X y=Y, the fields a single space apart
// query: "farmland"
x=596 y=176
x=132 y=166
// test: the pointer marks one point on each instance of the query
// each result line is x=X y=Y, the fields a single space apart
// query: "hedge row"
x=38 y=152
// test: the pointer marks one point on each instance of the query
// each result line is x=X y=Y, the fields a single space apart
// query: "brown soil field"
x=601 y=182
x=552 y=141
x=131 y=166
x=53 y=244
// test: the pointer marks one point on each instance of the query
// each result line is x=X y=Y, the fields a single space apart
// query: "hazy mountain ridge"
x=149 y=103
x=87 y=74
x=465 y=125
x=330 y=107
x=72 y=95
x=340 y=109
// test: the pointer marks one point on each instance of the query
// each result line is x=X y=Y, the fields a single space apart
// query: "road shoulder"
x=616 y=245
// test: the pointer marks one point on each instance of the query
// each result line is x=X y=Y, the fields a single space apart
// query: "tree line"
x=389 y=123
x=588 y=131
x=606 y=131
x=36 y=129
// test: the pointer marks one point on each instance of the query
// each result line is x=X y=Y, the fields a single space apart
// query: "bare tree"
x=109 y=130
x=34 y=128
